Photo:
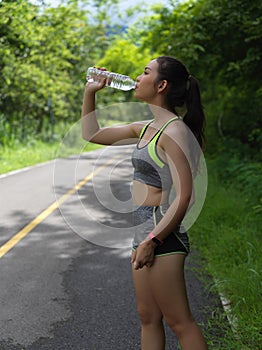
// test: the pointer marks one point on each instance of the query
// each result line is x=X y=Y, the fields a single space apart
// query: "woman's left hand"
x=144 y=255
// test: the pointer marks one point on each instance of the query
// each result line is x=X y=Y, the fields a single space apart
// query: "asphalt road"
x=66 y=280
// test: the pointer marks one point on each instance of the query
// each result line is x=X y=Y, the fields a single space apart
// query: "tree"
x=44 y=53
x=220 y=41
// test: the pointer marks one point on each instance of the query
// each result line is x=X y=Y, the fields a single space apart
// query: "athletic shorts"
x=145 y=218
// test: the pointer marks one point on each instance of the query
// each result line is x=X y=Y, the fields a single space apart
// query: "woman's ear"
x=162 y=85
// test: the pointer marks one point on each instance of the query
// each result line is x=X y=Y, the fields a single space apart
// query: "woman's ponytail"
x=183 y=94
x=195 y=117
x=183 y=91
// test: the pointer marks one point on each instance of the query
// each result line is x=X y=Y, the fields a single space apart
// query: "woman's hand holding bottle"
x=96 y=82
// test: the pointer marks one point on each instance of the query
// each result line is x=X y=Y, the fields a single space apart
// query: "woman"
x=162 y=159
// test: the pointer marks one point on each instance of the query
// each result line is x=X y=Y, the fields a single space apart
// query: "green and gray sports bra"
x=148 y=167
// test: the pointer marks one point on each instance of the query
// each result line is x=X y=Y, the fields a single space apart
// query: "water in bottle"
x=114 y=80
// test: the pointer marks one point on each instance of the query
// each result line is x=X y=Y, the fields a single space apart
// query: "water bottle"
x=114 y=80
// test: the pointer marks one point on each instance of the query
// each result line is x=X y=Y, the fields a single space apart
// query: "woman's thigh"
x=147 y=305
x=167 y=284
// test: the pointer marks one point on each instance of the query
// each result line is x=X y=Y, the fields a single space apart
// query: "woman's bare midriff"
x=148 y=195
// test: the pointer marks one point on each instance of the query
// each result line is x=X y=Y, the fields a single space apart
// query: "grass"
x=16 y=155
x=228 y=235
x=35 y=151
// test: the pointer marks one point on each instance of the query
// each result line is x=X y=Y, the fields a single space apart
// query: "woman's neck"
x=161 y=114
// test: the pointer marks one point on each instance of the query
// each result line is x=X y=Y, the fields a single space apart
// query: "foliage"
x=43 y=55
x=221 y=43
x=122 y=56
x=241 y=170
x=228 y=234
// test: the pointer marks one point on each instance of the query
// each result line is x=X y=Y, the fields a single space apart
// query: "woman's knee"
x=148 y=315
x=180 y=326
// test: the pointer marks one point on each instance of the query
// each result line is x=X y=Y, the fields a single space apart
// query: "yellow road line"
x=42 y=216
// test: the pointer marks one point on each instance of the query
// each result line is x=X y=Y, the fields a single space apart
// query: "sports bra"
x=148 y=167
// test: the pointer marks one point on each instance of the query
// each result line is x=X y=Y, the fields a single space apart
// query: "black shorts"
x=145 y=220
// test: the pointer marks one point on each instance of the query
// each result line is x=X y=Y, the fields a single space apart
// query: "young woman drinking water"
x=162 y=160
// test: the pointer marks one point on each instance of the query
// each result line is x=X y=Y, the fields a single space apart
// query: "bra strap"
x=155 y=139
x=144 y=129
x=152 y=144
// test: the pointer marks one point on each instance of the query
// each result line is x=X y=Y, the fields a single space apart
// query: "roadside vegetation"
x=22 y=155
x=44 y=54
x=228 y=235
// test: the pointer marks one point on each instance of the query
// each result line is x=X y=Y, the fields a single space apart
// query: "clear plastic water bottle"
x=114 y=80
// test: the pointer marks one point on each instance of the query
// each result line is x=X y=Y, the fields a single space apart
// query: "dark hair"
x=183 y=89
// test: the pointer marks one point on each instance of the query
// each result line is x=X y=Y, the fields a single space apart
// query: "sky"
x=123 y=3
x=122 y=6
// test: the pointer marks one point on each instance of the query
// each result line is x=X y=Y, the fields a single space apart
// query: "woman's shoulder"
x=176 y=133
x=176 y=128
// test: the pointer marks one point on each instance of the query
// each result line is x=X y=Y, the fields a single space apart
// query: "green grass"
x=22 y=155
x=228 y=234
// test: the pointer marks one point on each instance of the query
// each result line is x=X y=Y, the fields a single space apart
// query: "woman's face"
x=146 y=88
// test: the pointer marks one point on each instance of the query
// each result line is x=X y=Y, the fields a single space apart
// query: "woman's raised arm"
x=91 y=131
